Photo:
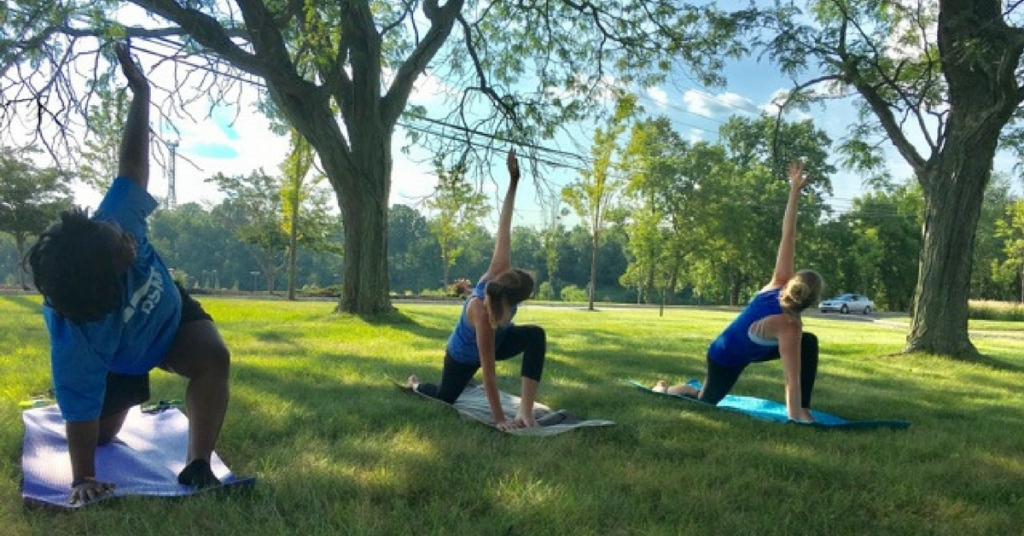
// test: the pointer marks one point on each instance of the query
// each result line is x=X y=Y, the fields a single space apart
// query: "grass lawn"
x=339 y=451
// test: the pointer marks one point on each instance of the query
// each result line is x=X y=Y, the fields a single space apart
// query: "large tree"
x=341 y=74
x=940 y=81
x=30 y=199
x=255 y=214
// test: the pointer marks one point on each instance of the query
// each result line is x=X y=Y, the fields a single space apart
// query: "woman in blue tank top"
x=485 y=334
x=770 y=327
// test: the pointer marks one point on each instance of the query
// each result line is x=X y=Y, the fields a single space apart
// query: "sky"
x=238 y=141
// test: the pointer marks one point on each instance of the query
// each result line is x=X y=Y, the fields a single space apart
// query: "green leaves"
x=459 y=210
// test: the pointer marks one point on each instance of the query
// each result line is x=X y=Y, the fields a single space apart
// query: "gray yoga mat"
x=144 y=459
x=472 y=404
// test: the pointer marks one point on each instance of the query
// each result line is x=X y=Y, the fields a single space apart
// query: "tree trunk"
x=939 y=319
x=734 y=291
x=293 y=242
x=649 y=291
x=19 y=241
x=664 y=297
x=979 y=55
x=593 y=269
x=365 y=217
x=447 y=268
x=672 y=282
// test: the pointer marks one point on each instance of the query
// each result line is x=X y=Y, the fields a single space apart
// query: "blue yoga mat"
x=144 y=459
x=769 y=410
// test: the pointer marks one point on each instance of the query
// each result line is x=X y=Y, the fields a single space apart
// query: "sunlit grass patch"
x=339 y=450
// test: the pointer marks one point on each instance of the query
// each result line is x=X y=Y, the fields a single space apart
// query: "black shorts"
x=125 y=391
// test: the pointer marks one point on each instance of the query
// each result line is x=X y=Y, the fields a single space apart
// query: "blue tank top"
x=462 y=342
x=735 y=346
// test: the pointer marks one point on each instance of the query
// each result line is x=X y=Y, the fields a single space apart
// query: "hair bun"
x=799 y=291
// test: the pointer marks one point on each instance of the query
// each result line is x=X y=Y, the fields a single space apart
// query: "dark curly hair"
x=506 y=290
x=77 y=264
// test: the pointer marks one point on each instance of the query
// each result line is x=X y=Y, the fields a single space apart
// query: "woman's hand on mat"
x=524 y=421
x=505 y=426
x=89 y=491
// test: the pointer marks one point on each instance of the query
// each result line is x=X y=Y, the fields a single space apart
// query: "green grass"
x=339 y=451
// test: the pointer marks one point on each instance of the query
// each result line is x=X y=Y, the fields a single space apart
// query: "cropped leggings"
x=721 y=378
x=527 y=340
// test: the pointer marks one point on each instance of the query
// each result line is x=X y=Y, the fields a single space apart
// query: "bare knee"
x=219 y=360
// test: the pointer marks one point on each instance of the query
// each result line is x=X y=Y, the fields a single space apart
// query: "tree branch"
x=207 y=31
x=442 y=19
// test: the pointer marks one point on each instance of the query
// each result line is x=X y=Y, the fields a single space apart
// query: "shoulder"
x=788 y=324
x=476 y=313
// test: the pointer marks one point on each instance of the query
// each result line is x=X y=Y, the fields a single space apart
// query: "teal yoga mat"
x=769 y=410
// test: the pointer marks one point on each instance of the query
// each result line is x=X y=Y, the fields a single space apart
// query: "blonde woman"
x=770 y=327
x=485 y=334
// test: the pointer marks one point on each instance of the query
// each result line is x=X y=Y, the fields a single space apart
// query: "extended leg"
x=454 y=378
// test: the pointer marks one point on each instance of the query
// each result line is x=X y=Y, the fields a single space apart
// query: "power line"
x=551 y=151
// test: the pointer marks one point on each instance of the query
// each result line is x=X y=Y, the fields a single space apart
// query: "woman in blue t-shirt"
x=485 y=334
x=770 y=327
x=114 y=314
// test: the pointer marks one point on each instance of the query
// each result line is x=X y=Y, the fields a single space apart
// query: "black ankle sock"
x=198 y=475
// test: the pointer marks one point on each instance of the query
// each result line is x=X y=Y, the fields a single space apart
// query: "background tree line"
x=690 y=223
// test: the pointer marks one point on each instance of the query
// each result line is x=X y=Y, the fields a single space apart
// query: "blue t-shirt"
x=734 y=346
x=132 y=339
x=462 y=342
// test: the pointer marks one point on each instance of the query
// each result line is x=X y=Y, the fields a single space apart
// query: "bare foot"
x=660 y=387
x=413 y=382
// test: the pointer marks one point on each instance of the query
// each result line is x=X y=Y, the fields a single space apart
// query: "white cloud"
x=658 y=95
x=723 y=104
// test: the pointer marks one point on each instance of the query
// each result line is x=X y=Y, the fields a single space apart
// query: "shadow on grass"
x=399 y=320
x=995 y=363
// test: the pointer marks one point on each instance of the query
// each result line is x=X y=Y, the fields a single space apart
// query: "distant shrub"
x=995 y=310
x=180 y=277
x=546 y=291
x=434 y=293
x=572 y=293
x=330 y=291
x=461 y=288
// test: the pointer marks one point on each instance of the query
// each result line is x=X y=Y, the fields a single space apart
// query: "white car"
x=848 y=303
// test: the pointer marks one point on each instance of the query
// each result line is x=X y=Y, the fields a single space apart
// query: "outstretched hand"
x=513 y=165
x=131 y=70
x=797 y=177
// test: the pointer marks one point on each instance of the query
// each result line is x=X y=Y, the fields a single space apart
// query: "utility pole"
x=172 y=197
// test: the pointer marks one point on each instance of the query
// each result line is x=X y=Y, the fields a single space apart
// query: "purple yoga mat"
x=144 y=459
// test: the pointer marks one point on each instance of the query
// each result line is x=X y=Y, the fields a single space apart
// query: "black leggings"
x=527 y=340
x=721 y=378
